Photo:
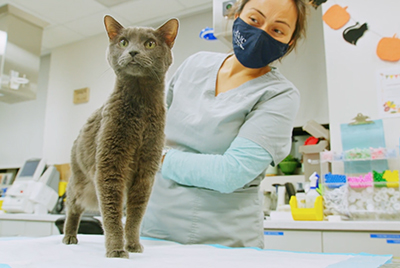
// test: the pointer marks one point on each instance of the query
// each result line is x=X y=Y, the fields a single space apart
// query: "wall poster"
x=389 y=92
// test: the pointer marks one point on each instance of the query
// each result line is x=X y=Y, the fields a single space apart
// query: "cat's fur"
x=118 y=150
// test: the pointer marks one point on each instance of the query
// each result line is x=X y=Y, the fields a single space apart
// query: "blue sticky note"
x=393 y=241
x=273 y=233
x=385 y=236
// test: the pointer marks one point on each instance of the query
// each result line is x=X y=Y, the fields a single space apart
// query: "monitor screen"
x=29 y=168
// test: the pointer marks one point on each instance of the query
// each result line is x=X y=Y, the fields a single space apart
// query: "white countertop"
x=387 y=226
x=29 y=217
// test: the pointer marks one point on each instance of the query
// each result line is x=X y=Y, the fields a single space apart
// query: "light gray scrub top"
x=261 y=110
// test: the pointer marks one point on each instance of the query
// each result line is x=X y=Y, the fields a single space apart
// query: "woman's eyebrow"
x=258 y=11
x=262 y=14
x=284 y=22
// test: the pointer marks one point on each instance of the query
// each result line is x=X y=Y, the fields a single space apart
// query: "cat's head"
x=140 y=51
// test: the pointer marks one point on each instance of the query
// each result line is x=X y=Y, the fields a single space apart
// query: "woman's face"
x=276 y=17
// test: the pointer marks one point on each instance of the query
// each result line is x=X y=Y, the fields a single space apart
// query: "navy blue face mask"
x=253 y=47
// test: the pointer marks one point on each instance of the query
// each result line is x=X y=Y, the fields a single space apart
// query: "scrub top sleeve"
x=170 y=86
x=169 y=90
x=270 y=123
x=240 y=164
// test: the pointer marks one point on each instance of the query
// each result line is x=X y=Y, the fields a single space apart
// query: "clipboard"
x=363 y=133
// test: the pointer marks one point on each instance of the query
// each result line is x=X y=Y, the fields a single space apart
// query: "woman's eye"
x=278 y=31
x=254 y=20
x=123 y=42
x=150 y=44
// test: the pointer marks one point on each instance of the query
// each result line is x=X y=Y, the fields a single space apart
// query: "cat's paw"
x=135 y=248
x=70 y=239
x=117 y=253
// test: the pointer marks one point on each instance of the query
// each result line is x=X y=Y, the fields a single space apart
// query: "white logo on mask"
x=239 y=39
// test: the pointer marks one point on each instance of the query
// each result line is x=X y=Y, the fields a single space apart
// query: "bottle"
x=281 y=196
x=301 y=196
x=312 y=194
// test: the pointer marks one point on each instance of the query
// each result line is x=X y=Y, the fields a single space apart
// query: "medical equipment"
x=221 y=23
x=207 y=34
x=33 y=191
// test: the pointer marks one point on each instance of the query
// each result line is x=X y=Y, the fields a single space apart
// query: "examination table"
x=50 y=252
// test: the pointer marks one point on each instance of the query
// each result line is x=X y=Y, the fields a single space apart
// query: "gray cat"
x=118 y=150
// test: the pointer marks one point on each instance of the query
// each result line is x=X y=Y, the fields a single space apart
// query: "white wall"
x=306 y=68
x=351 y=70
x=22 y=124
x=74 y=66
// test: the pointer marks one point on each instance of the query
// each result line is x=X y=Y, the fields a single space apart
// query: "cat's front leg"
x=111 y=191
x=138 y=195
x=137 y=199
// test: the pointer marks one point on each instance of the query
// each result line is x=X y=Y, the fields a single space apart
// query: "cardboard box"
x=311 y=157
x=65 y=171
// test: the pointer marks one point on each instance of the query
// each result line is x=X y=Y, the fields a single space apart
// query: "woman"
x=229 y=117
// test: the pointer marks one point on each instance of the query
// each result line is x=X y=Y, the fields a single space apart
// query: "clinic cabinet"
x=28 y=225
x=373 y=237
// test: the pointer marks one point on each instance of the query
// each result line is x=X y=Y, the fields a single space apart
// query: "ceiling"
x=73 y=20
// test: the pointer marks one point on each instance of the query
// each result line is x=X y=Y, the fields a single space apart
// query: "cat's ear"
x=169 y=31
x=112 y=27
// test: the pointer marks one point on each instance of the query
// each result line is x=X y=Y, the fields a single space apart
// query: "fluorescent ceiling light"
x=111 y=3
x=3 y=42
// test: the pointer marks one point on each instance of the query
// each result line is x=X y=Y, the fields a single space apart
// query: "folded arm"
x=240 y=164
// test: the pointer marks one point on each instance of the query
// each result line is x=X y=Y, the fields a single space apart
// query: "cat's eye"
x=123 y=42
x=150 y=44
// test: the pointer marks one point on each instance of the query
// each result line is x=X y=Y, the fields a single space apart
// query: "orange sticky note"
x=389 y=48
x=336 y=17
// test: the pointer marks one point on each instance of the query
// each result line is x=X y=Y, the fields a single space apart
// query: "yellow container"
x=307 y=214
x=62 y=187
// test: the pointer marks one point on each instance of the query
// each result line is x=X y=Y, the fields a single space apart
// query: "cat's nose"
x=133 y=53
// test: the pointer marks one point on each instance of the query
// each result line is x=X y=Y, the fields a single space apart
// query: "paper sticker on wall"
x=389 y=48
x=336 y=17
x=353 y=33
x=388 y=89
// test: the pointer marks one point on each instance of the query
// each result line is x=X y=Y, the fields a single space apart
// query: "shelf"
x=369 y=155
x=268 y=181
x=356 y=160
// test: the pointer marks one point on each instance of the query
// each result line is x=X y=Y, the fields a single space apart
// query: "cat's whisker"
x=124 y=60
x=103 y=73
x=145 y=61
